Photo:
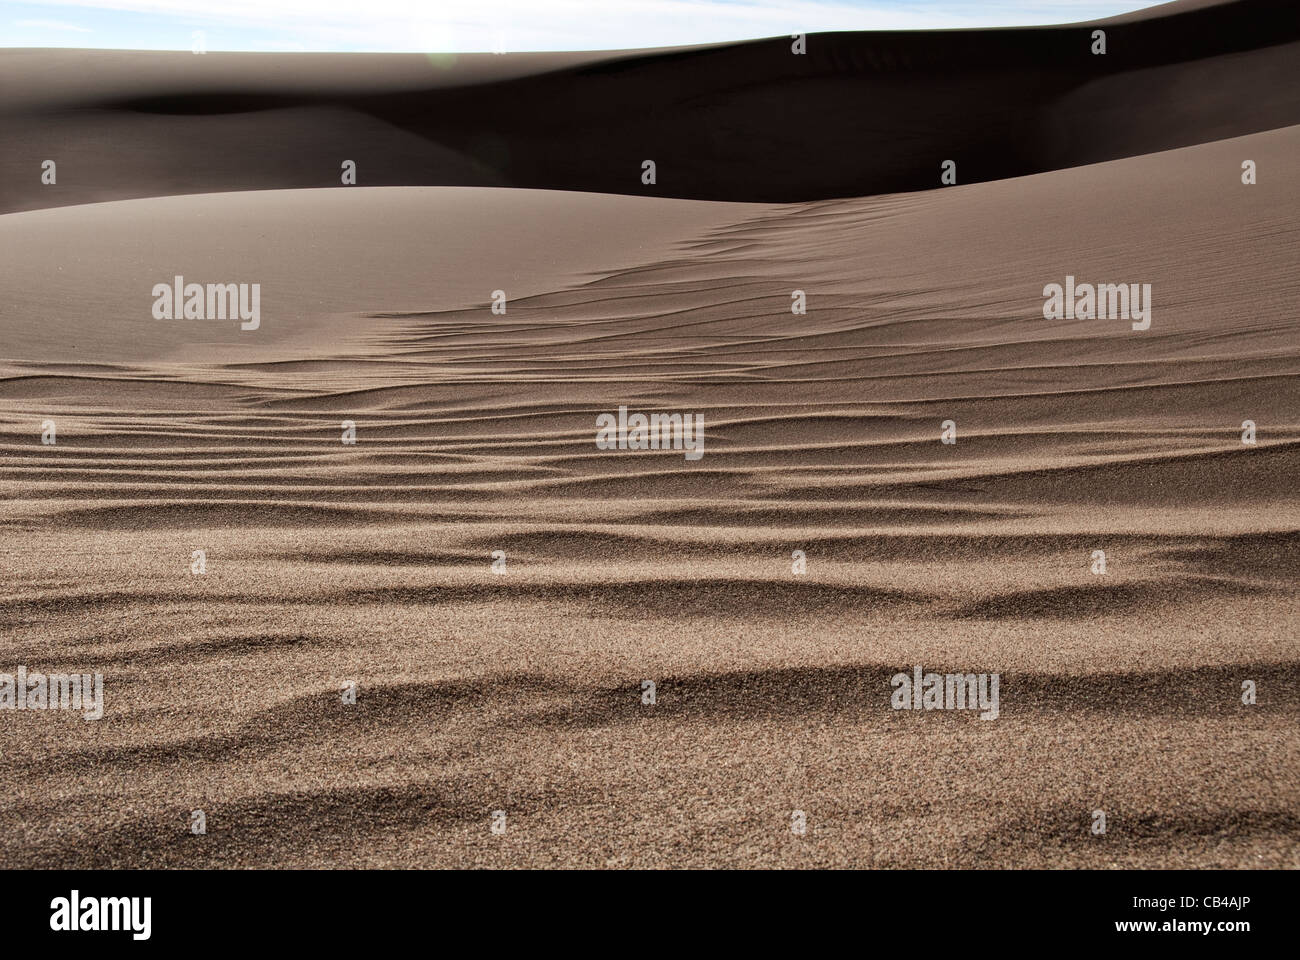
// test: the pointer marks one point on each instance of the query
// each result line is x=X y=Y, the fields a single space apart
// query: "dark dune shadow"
x=1268 y=555
x=704 y=597
x=815 y=515
x=250 y=513
x=1106 y=599
x=1184 y=480
x=169 y=654
x=878 y=112
x=863 y=691
x=380 y=710
x=391 y=558
x=1065 y=831
x=1265 y=554
x=15 y=611
x=239 y=833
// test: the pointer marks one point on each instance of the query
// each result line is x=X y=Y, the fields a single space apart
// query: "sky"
x=466 y=26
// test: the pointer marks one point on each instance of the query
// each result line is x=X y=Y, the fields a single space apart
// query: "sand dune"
x=856 y=114
x=371 y=563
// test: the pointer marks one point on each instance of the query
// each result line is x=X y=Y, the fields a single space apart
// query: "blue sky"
x=463 y=26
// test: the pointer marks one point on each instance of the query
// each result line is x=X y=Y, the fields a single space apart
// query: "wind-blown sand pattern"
x=522 y=692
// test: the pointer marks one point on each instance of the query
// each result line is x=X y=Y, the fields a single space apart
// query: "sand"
x=330 y=564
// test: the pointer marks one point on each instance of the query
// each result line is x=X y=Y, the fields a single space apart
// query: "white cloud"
x=52 y=25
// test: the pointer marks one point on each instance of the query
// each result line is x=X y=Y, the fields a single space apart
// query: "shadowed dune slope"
x=857 y=114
